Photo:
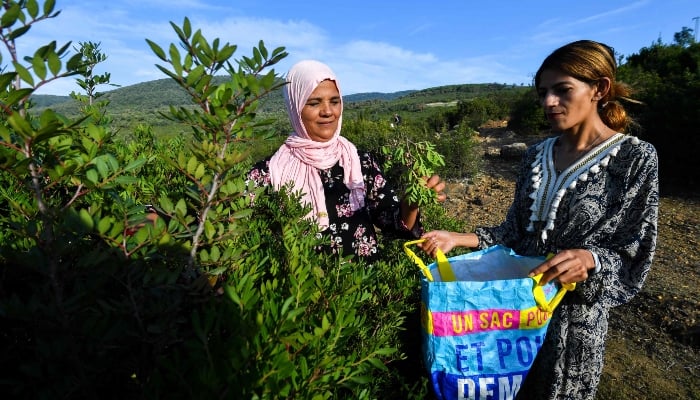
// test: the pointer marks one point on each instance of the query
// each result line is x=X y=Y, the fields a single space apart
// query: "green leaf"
x=104 y=224
x=113 y=163
x=226 y=53
x=6 y=79
x=17 y=96
x=179 y=32
x=74 y=63
x=187 y=27
x=167 y=205
x=126 y=180
x=10 y=16
x=157 y=50
x=181 y=208
x=175 y=59
x=191 y=165
x=135 y=164
x=86 y=218
x=92 y=176
x=49 y=5
x=209 y=229
x=54 y=63
x=195 y=75
x=165 y=239
x=385 y=351
x=377 y=363
x=20 y=125
x=18 y=32
x=217 y=271
x=215 y=253
x=263 y=50
x=240 y=214
x=32 y=8
x=39 y=66
x=23 y=73
x=200 y=171
x=142 y=235
x=102 y=167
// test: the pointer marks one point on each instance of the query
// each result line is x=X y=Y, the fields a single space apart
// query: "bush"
x=667 y=80
x=527 y=117
x=200 y=295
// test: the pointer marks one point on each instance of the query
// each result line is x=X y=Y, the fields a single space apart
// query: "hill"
x=161 y=93
x=156 y=94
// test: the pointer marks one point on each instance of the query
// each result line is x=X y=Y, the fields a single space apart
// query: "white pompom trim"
x=539 y=192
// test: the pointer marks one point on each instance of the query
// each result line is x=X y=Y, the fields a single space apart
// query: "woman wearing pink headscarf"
x=345 y=187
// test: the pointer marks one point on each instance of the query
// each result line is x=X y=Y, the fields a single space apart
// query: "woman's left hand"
x=567 y=266
x=409 y=212
x=437 y=185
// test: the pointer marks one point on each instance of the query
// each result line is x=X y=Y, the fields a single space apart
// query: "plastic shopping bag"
x=483 y=320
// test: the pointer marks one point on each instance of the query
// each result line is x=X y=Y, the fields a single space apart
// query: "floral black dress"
x=354 y=232
x=607 y=202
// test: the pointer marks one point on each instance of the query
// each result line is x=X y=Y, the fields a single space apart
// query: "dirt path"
x=653 y=346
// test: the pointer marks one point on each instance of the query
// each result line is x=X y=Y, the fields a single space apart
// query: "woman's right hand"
x=434 y=240
x=446 y=241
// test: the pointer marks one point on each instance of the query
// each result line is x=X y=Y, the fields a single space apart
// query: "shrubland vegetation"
x=205 y=294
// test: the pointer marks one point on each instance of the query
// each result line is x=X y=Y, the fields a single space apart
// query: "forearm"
x=409 y=215
x=469 y=240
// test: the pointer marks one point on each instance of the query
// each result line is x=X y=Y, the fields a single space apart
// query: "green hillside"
x=145 y=103
x=159 y=94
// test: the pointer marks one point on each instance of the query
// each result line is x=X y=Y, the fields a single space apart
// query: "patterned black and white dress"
x=606 y=202
x=354 y=232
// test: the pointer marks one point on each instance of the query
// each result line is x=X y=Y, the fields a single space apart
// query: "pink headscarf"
x=299 y=158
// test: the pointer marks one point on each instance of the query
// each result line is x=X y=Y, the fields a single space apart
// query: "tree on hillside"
x=667 y=77
x=684 y=37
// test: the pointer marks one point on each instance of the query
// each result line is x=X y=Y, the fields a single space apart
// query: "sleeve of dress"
x=383 y=201
x=626 y=257
x=259 y=174
x=510 y=231
x=258 y=177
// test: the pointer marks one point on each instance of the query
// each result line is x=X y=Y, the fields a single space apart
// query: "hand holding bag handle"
x=448 y=275
x=539 y=293
x=444 y=267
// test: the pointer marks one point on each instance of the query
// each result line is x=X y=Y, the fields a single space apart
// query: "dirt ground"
x=653 y=344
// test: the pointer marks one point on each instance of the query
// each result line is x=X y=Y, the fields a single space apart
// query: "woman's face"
x=567 y=101
x=321 y=113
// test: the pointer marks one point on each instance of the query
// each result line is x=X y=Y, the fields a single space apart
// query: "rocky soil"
x=653 y=344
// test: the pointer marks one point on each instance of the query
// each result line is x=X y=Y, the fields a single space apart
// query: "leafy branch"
x=411 y=163
x=225 y=113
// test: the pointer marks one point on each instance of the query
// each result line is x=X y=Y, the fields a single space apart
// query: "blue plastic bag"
x=483 y=320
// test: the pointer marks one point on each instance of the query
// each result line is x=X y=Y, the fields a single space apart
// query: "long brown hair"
x=589 y=61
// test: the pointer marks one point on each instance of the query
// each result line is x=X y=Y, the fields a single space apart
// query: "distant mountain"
x=46 y=100
x=158 y=95
x=162 y=93
x=376 y=96
x=151 y=95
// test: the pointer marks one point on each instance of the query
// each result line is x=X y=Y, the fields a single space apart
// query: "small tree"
x=667 y=80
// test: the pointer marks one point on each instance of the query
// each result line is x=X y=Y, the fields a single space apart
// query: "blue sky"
x=373 y=46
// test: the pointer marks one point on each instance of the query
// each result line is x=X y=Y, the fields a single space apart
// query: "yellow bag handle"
x=541 y=300
x=448 y=275
x=538 y=292
x=444 y=267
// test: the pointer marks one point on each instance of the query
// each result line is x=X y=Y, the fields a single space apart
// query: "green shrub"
x=527 y=117
x=215 y=297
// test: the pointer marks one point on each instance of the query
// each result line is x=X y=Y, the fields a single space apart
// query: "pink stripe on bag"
x=458 y=323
